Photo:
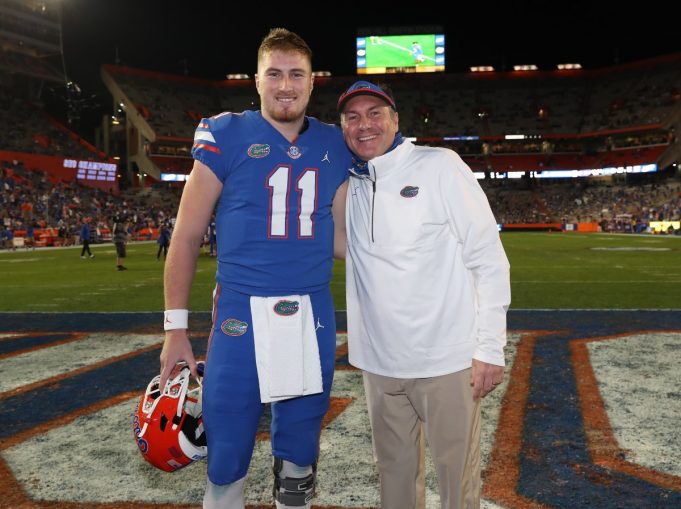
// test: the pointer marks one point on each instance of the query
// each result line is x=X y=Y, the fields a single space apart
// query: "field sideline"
x=585 y=417
x=548 y=270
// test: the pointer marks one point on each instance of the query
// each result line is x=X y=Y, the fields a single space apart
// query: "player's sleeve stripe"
x=204 y=135
x=203 y=125
x=206 y=147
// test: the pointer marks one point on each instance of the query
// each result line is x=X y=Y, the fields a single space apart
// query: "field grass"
x=548 y=271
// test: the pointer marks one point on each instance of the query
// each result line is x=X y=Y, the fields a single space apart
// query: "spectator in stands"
x=120 y=236
x=85 y=234
x=428 y=288
x=278 y=178
x=163 y=241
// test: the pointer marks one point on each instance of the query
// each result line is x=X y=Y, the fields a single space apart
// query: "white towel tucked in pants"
x=286 y=351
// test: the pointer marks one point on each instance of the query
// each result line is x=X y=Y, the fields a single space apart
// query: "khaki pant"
x=398 y=410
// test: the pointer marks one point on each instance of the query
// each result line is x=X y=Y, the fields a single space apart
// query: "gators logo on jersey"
x=234 y=327
x=259 y=150
x=286 y=307
x=409 y=191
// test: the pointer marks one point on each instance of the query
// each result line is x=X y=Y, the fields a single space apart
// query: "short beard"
x=286 y=116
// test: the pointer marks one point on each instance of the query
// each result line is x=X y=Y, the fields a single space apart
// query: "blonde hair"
x=284 y=40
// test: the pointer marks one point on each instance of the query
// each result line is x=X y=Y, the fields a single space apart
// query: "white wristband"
x=175 y=319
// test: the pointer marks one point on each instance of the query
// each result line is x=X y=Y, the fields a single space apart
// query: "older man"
x=427 y=294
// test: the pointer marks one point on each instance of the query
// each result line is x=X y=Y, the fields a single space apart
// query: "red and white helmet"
x=168 y=427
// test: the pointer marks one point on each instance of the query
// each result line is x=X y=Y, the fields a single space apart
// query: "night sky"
x=178 y=36
x=161 y=35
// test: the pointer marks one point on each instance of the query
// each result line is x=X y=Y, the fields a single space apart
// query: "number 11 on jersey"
x=279 y=185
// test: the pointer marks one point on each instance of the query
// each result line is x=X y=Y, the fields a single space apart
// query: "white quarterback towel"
x=286 y=351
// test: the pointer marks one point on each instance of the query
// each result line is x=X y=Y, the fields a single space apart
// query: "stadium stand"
x=591 y=114
x=512 y=128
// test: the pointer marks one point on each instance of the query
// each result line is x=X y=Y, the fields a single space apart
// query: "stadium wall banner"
x=532 y=227
x=588 y=227
x=581 y=227
x=101 y=175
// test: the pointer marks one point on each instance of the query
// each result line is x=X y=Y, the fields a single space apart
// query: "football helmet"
x=168 y=426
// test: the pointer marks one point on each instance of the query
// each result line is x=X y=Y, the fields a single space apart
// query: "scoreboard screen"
x=384 y=54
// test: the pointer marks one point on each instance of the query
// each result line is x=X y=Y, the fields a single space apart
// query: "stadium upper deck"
x=569 y=119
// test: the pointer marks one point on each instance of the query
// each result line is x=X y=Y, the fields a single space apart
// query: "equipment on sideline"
x=168 y=426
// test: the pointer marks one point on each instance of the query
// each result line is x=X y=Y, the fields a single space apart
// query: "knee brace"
x=294 y=486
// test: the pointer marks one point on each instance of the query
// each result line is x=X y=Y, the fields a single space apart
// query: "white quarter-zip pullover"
x=427 y=277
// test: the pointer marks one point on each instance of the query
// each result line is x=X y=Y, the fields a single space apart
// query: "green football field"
x=396 y=52
x=548 y=271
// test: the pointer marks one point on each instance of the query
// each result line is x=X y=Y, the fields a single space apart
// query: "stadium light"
x=569 y=67
x=237 y=76
x=525 y=67
x=482 y=68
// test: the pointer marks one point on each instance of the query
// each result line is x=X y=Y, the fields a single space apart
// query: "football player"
x=276 y=179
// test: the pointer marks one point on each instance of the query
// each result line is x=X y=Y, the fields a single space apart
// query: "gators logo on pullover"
x=409 y=191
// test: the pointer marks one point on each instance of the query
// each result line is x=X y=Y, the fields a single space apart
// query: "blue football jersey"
x=274 y=223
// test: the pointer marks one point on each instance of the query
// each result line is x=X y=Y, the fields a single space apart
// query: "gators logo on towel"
x=258 y=150
x=234 y=327
x=409 y=192
x=286 y=307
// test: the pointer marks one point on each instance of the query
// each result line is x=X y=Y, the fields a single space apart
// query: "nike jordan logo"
x=326 y=157
x=319 y=325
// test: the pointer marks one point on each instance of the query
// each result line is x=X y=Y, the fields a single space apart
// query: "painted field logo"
x=234 y=327
x=409 y=191
x=286 y=307
x=258 y=150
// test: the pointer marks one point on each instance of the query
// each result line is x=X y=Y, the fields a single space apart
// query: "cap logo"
x=234 y=327
x=409 y=191
x=365 y=88
x=258 y=150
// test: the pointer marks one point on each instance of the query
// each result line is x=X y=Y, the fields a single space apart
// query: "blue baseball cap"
x=364 y=88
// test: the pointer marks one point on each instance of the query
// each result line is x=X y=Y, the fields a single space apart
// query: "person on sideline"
x=278 y=178
x=30 y=236
x=85 y=234
x=427 y=293
x=212 y=239
x=163 y=241
x=120 y=238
